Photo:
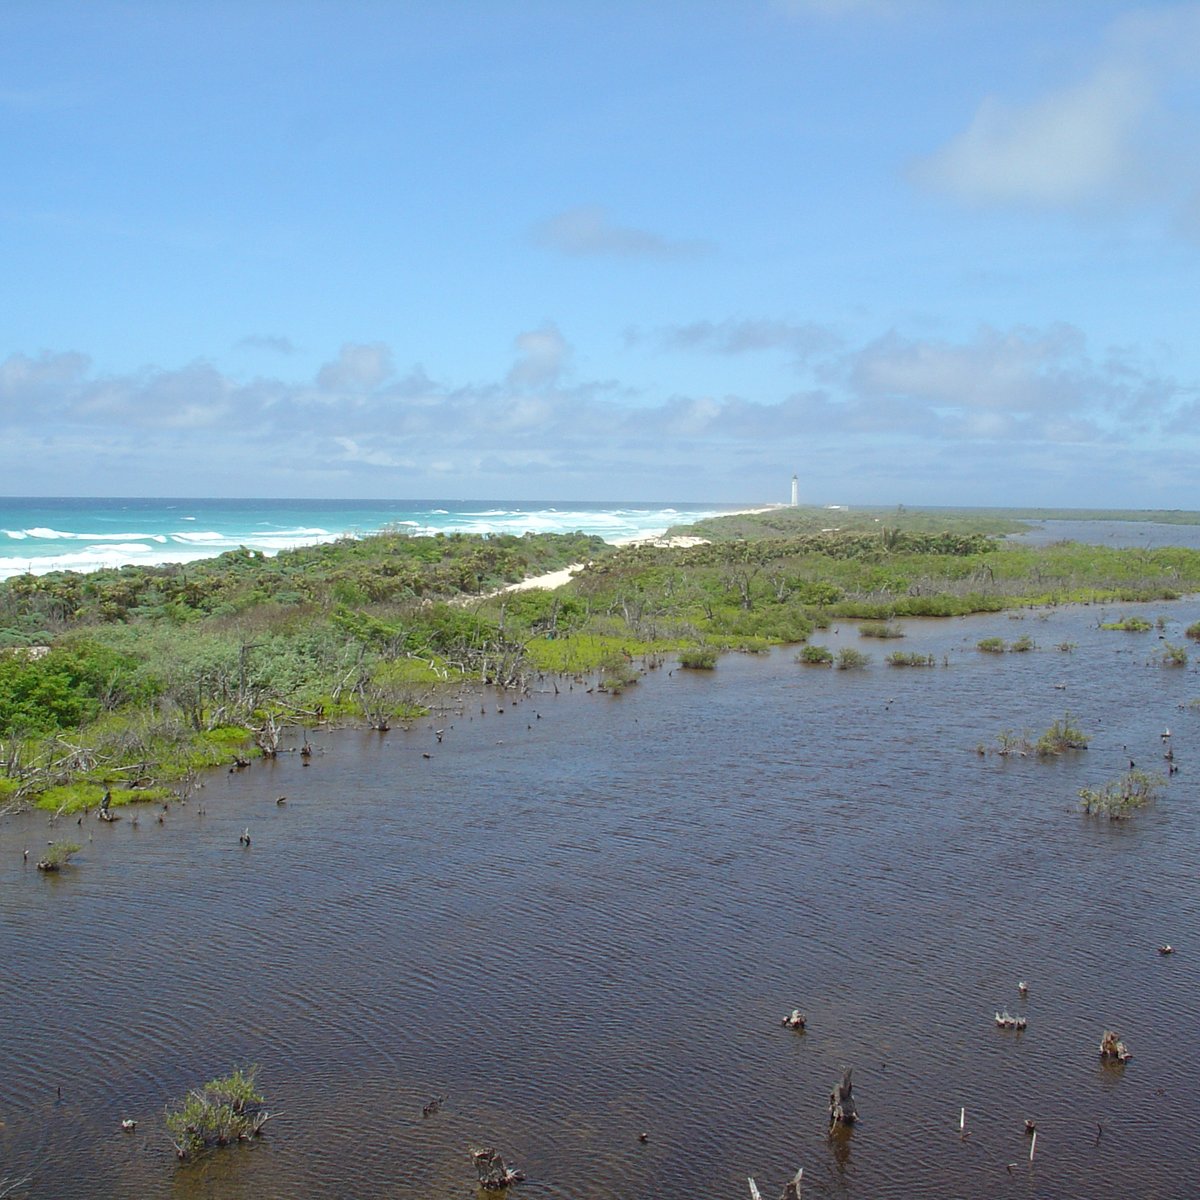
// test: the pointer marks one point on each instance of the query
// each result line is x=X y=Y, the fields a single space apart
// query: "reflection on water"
x=584 y=917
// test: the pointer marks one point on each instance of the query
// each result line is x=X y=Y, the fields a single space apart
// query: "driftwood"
x=795 y=1020
x=1006 y=1020
x=1112 y=1049
x=493 y=1174
x=791 y=1189
x=841 y=1102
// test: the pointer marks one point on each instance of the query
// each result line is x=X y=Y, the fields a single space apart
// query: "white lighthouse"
x=795 y=491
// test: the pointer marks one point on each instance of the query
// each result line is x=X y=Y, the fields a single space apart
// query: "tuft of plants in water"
x=1122 y=797
x=700 y=658
x=880 y=629
x=221 y=1112
x=815 y=656
x=58 y=855
x=1128 y=625
x=1062 y=736
x=849 y=659
x=990 y=645
x=1022 y=645
x=1193 y=631
x=1172 y=656
x=901 y=659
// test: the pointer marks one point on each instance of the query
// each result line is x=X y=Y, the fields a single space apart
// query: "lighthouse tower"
x=795 y=491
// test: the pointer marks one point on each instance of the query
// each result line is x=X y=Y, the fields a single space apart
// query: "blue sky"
x=917 y=251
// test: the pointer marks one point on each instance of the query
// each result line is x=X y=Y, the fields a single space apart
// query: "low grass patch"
x=815 y=656
x=1128 y=625
x=880 y=629
x=849 y=659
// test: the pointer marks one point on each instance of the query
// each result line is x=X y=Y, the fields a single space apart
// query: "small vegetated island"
x=130 y=680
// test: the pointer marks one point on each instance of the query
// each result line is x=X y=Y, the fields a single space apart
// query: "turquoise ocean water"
x=78 y=534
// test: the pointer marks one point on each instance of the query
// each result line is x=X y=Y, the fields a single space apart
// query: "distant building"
x=795 y=491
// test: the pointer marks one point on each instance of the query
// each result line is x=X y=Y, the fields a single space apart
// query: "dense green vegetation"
x=221 y=1112
x=134 y=679
x=1120 y=798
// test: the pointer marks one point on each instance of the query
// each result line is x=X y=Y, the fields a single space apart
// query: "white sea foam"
x=59 y=535
x=266 y=529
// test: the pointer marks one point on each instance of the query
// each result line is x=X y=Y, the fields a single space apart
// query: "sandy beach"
x=557 y=579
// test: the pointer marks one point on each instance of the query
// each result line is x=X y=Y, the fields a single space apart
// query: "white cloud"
x=802 y=339
x=587 y=231
x=542 y=355
x=1065 y=149
x=1001 y=395
x=1123 y=134
x=358 y=368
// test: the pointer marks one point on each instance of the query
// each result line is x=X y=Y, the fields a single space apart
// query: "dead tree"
x=841 y=1102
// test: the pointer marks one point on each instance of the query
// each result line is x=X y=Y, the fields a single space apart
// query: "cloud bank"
x=1003 y=417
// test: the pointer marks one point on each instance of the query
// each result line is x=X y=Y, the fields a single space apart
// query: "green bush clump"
x=815 y=656
x=1022 y=645
x=1062 y=736
x=1193 y=631
x=1128 y=625
x=990 y=645
x=700 y=658
x=849 y=659
x=901 y=659
x=1173 y=656
x=222 y=1111
x=58 y=855
x=879 y=629
x=1120 y=798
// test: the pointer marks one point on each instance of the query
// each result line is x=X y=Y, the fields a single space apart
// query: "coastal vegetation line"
x=129 y=681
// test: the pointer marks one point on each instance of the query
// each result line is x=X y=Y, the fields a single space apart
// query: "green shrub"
x=1062 y=736
x=222 y=1111
x=1128 y=625
x=1173 y=656
x=58 y=855
x=815 y=656
x=1119 y=798
x=1022 y=645
x=1193 y=631
x=699 y=658
x=849 y=659
x=991 y=645
x=879 y=629
x=900 y=659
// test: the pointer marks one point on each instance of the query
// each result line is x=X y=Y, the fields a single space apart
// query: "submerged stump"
x=1112 y=1049
x=841 y=1102
x=493 y=1174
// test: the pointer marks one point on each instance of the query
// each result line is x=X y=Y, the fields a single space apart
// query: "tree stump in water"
x=1112 y=1049
x=841 y=1102
x=493 y=1174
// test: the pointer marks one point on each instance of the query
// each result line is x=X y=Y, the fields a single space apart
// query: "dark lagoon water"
x=1147 y=535
x=584 y=917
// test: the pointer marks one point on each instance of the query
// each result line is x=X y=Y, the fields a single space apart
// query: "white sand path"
x=556 y=579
